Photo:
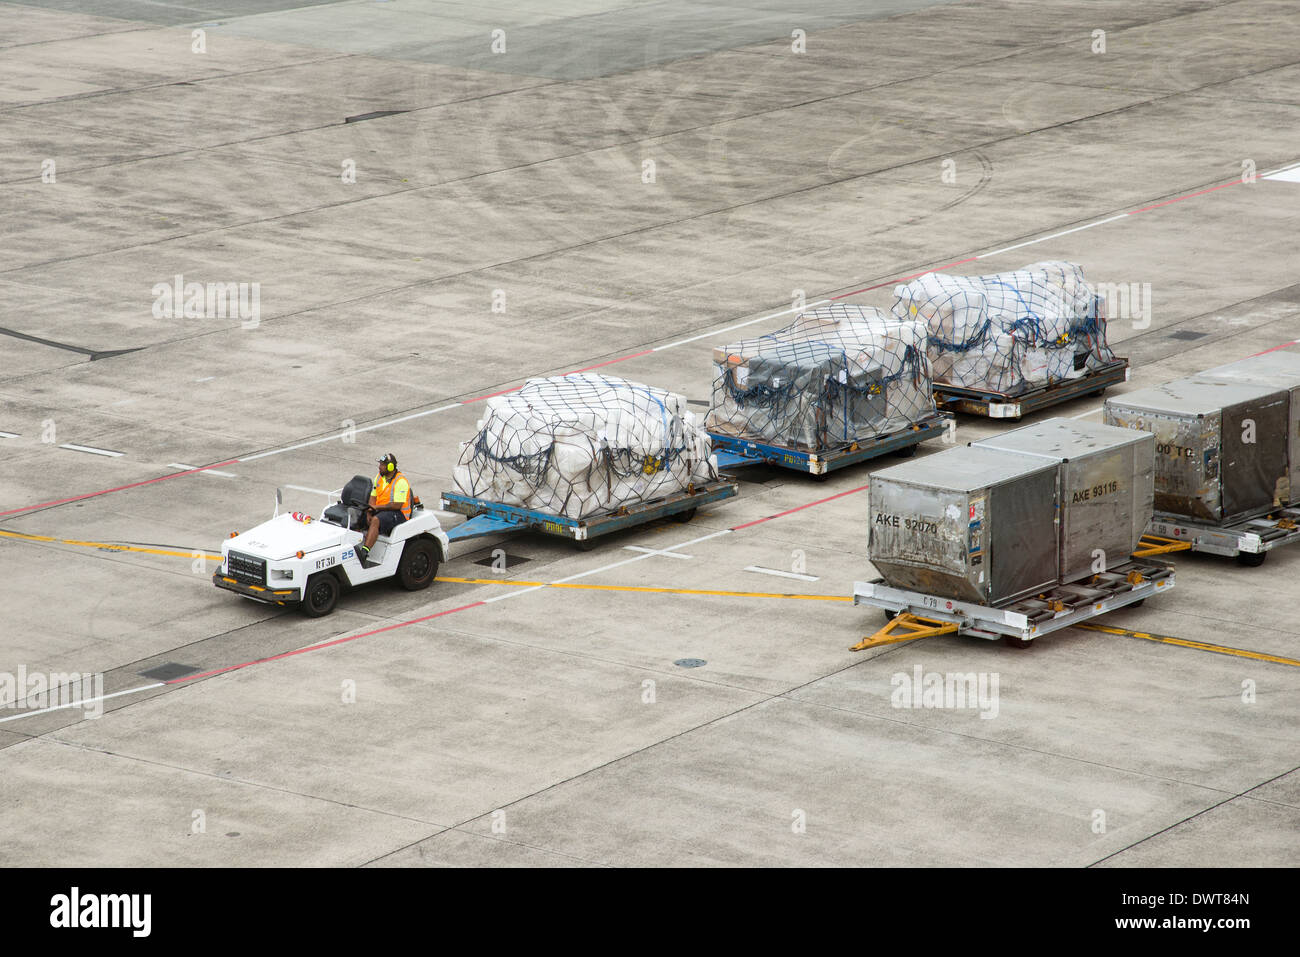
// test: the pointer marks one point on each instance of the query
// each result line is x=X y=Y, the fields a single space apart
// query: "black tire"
x=418 y=566
x=584 y=544
x=320 y=596
x=907 y=451
x=1096 y=393
x=1013 y=642
x=1138 y=604
x=1251 y=559
x=685 y=516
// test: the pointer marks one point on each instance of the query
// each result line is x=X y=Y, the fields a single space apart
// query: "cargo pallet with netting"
x=839 y=385
x=494 y=518
x=915 y=614
x=734 y=452
x=999 y=405
x=1007 y=344
x=1249 y=542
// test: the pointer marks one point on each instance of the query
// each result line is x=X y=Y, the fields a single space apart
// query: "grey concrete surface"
x=523 y=732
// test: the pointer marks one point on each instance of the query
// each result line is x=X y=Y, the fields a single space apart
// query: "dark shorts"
x=389 y=521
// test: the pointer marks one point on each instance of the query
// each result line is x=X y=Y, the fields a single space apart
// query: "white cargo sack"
x=837 y=374
x=1009 y=332
x=584 y=445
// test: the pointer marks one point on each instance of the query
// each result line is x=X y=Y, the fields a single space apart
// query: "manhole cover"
x=690 y=662
x=168 y=671
x=510 y=560
x=1187 y=334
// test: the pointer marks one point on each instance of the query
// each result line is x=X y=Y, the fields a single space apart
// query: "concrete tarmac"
x=552 y=726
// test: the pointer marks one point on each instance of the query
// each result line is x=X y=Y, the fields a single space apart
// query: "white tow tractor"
x=296 y=559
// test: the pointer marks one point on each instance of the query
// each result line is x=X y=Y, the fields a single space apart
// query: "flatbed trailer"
x=1018 y=622
x=1249 y=542
x=494 y=518
x=1001 y=405
x=736 y=451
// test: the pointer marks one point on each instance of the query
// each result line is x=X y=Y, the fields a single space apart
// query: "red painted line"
x=611 y=362
x=895 y=282
x=1179 y=199
x=324 y=644
x=1275 y=348
x=800 y=508
x=480 y=398
x=120 y=488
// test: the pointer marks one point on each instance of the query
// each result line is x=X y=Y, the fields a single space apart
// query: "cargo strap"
x=916 y=627
x=1158 y=545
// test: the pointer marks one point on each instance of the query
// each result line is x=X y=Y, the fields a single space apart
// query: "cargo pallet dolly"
x=1017 y=622
x=999 y=405
x=735 y=452
x=1249 y=542
x=494 y=518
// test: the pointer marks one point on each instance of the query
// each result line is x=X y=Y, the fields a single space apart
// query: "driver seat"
x=350 y=510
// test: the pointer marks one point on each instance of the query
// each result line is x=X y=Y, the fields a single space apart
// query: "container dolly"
x=1249 y=542
x=1019 y=621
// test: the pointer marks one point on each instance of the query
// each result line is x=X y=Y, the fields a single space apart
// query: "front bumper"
x=272 y=596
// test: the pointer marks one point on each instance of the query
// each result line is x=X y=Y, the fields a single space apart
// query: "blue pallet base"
x=733 y=452
x=493 y=518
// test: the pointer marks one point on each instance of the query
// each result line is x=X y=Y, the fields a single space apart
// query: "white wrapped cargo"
x=583 y=445
x=1008 y=332
x=837 y=374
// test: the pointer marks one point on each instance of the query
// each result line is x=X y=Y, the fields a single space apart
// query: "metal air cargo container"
x=1278 y=370
x=971 y=524
x=1221 y=446
x=1106 y=488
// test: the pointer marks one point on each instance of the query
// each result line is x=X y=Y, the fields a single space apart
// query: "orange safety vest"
x=397 y=486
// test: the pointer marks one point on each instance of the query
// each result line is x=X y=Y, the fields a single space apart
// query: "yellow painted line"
x=1198 y=645
x=641 y=588
x=107 y=546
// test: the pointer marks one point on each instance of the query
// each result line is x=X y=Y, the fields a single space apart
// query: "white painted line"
x=603 y=568
x=194 y=468
x=773 y=571
x=1084 y=415
x=739 y=325
x=1043 y=239
x=303 y=488
x=9 y=435
x=81 y=704
x=365 y=428
x=206 y=379
x=87 y=448
x=1291 y=175
x=651 y=551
